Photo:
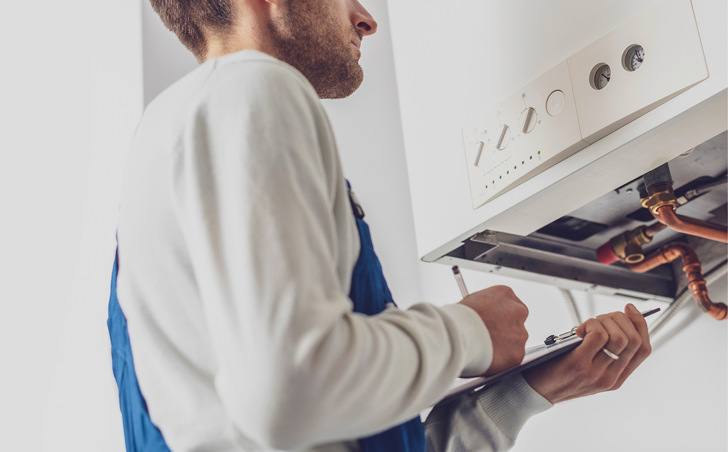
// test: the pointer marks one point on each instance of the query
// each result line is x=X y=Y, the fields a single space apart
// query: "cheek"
x=337 y=15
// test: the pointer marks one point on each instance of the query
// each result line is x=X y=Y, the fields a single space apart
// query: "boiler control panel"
x=621 y=76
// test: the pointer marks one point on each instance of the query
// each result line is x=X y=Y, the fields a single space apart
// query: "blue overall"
x=370 y=295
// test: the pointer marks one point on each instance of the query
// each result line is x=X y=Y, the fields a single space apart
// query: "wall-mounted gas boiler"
x=605 y=172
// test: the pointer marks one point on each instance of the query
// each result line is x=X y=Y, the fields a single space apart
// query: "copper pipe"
x=654 y=228
x=691 y=226
x=691 y=267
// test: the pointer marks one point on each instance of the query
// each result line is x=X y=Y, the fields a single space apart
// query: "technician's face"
x=321 y=38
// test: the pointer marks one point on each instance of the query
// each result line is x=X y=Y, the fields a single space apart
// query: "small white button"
x=504 y=137
x=478 y=152
x=555 y=102
x=528 y=120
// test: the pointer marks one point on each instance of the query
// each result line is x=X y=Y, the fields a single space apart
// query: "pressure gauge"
x=633 y=57
x=600 y=76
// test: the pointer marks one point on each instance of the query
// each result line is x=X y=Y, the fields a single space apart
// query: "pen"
x=554 y=338
x=460 y=281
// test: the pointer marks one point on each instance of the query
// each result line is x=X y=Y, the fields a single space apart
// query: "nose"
x=363 y=21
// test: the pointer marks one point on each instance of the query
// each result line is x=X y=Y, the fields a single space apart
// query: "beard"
x=310 y=39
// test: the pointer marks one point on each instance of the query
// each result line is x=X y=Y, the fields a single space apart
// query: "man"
x=248 y=281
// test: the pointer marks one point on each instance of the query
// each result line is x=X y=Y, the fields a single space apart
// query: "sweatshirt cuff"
x=475 y=336
x=511 y=403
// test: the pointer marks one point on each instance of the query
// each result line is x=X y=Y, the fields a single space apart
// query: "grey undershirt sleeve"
x=488 y=420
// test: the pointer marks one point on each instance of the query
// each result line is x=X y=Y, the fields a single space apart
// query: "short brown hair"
x=191 y=19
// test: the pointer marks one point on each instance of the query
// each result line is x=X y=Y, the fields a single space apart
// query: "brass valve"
x=659 y=195
x=628 y=245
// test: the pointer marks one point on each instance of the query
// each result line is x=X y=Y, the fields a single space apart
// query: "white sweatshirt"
x=236 y=249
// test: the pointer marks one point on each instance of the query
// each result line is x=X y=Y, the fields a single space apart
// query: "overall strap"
x=371 y=295
x=140 y=434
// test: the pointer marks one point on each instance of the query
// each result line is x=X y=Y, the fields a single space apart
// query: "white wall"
x=71 y=97
x=165 y=59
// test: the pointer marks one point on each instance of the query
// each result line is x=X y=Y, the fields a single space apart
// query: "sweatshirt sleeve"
x=488 y=420
x=253 y=192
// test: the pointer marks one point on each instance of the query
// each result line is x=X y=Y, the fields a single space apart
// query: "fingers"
x=616 y=331
x=504 y=315
x=507 y=294
x=618 y=340
x=644 y=349
x=595 y=337
x=624 y=339
x=587 y=369
x=638 y=321
x=623 y=334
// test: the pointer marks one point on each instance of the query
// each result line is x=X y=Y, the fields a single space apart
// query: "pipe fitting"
x=626 y=247
x=632 y=253
x=659 y=195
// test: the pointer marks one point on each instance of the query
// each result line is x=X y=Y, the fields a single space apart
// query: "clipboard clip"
x=554 y=338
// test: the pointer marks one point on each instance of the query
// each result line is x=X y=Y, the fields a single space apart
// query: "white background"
x=74 y=80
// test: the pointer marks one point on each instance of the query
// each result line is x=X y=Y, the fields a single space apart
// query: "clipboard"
x=534 y=356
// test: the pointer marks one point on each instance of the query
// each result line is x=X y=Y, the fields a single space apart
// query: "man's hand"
x=504 y=315
x=587 y=369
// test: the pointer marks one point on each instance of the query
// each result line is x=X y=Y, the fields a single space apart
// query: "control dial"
x=504 y=137
x=528 y=119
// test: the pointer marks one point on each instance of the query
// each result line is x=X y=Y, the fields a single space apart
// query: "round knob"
x=504 y=137
x=555 y=102
x=528 y=119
